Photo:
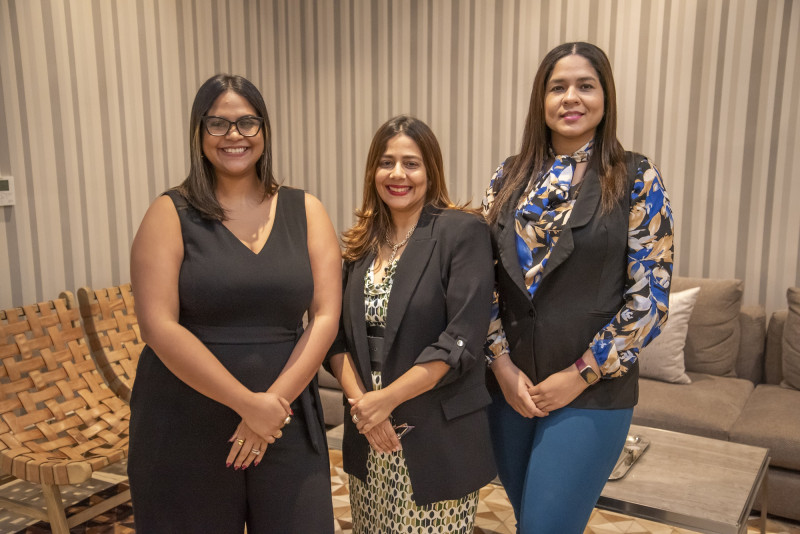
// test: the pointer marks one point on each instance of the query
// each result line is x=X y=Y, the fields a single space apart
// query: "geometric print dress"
x=383 y=503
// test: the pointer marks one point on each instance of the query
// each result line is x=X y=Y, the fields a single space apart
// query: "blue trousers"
x=553 y=468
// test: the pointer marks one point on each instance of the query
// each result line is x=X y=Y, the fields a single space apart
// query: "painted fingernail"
x=291 y=411
x=227 y=464
x=235 y=467
x=244 y=467
x=255 y=464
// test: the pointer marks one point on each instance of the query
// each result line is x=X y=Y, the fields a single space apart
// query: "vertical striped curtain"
x=95 y=98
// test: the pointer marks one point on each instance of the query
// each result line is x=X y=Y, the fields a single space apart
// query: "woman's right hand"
x=382 y=438
x=515 y=386
x=264 y=414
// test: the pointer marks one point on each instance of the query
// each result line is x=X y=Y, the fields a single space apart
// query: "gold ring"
x=240 y=442
x=255 y=451
x=355 y=418
x=278 y=435
x=287 y=420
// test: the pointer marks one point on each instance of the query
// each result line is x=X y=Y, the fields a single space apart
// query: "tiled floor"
x=494 y=515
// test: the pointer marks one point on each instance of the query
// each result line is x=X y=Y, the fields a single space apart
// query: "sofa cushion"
x=327 y=380
x=750 y=364
x=783 y=495
x=771 y=419
x=662 y=359
x=712 y=343
x=709 y=406
x=773 y=364
x=332 y=407
x=790 y=348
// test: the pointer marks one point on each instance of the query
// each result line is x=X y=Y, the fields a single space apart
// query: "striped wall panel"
x=95 y=97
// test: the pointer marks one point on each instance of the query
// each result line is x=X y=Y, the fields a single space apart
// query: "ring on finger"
x=278 y=435
x=240 y=442
x=355 y=418
x=287 y=420
x=255 y=451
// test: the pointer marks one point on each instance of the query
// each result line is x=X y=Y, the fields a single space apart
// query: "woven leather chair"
x=112 y=329
x=59 y=421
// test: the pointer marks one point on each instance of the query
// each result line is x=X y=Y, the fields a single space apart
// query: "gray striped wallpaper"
x=95 y=96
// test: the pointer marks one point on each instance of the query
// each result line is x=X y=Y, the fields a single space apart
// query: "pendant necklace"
x=396 y=246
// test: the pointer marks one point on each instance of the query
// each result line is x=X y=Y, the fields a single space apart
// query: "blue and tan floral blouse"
x=545 y=210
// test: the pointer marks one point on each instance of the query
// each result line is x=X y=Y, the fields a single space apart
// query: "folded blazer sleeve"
x=469 y=278
x=339 y=344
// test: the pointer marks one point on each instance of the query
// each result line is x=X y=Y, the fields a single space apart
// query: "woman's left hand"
x=247 y=447
x=558 y=389
x=371 y=409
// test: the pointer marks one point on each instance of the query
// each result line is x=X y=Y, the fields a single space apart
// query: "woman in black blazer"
x=417 y=298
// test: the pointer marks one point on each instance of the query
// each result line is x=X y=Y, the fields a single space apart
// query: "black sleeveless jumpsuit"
x=247 y=308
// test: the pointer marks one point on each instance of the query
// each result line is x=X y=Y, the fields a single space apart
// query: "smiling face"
x=232 y=155
x=573 y=103
x=401 y=180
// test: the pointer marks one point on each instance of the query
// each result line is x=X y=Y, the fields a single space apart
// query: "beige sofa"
x=331 y=395
x=735 y=366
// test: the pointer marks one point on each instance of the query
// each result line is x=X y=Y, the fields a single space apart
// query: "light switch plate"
x=7 y=197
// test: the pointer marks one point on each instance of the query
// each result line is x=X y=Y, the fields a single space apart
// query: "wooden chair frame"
x=109 y=319
x=59 y=421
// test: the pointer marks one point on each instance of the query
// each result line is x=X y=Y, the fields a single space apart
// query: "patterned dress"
x=383 y=503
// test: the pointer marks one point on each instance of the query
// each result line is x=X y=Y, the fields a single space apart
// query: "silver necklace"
x=396 y=246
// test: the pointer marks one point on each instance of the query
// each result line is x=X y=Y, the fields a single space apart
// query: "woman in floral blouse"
x=582 y=235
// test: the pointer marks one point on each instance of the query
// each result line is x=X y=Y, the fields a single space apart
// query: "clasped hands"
x=537 y=400
x=262 y=421
x=371 y=414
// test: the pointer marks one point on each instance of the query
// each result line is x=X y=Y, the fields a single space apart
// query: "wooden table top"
x=690 y=481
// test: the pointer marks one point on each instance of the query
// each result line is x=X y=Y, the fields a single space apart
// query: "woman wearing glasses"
x=225 y=428
x=417 y=298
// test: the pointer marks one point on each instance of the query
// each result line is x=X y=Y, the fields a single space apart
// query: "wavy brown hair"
x=373 y=218
x=198 y=187
x=608 y=156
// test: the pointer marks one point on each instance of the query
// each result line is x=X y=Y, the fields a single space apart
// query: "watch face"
x=589 y=375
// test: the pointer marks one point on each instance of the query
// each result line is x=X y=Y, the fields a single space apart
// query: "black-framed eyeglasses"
x=248 y=126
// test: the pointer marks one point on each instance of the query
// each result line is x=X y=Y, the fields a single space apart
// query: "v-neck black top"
x=230 y=294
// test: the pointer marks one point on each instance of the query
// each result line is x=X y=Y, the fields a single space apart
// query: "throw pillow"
x=790 y=348
x=712 y=344
x=662 y=359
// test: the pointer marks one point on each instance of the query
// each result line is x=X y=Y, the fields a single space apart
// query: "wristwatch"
x=587 y=373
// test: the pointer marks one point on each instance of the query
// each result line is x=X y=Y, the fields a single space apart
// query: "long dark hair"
x=198 y=187
x=608 y=156
x=373 y=219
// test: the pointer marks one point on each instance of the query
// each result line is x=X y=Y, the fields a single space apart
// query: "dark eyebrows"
x=403 y=157
x=580 y=80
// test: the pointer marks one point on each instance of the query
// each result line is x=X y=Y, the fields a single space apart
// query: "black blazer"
x=581 y=291
x=439 y=309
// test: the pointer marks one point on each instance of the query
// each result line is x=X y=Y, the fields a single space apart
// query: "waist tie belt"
x=375 y=342
x=238 y=335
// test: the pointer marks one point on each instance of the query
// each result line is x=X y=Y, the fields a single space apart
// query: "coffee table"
x=701 y=484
